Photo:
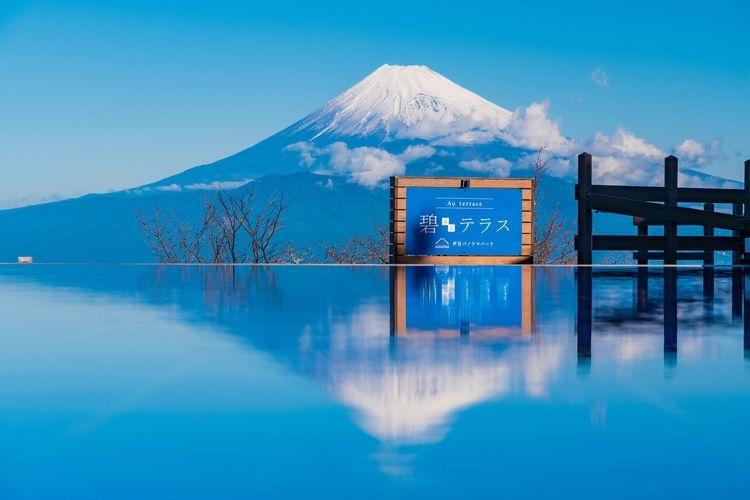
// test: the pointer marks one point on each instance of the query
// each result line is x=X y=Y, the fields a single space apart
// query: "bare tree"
x=213 y=242
x=171 y=241
x=295 y=255
x=261 y=231
x=367 y=249
x=553 y=234
x=230 y=230
x=229 y=211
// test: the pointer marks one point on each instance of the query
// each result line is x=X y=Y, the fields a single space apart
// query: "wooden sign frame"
x=398 y=220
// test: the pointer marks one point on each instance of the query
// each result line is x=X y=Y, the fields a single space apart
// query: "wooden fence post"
x=746 y=204
x=736 y=254
x=642 y=281
x=736 y=271
x=708 y=253
x=584 y=313
x=584 y=240
x=743 y=209
x=708 y=261
x=670 y=312
x=670 y=199
x=738 y=276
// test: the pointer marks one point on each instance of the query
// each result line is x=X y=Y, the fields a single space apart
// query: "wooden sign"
x=453 y=220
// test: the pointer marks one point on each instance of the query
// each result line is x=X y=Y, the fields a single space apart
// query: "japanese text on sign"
x=454 y=221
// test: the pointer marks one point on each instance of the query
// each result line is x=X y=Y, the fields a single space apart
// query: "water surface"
x=210 y=382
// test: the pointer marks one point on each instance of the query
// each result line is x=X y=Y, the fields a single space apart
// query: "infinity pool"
x=369 y=382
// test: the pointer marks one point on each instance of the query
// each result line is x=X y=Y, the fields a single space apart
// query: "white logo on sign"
x=446 y=221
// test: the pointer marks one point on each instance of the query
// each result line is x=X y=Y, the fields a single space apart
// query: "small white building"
x=25 y=260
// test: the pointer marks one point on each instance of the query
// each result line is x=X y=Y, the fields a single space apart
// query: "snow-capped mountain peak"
x=405 y=102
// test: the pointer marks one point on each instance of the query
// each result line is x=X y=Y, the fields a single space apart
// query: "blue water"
x=285 y=382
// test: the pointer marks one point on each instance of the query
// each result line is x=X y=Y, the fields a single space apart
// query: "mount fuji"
x=405 y=115
x=332 y=167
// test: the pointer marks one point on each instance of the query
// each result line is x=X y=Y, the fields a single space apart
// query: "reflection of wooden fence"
x=658 y=206
x=622 y=320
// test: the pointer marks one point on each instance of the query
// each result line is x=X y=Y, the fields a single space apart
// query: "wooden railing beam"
x=679 y=215
x=646 y=243
x=684 y=195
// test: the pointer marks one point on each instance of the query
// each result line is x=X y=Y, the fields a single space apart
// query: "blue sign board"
x=456 y=221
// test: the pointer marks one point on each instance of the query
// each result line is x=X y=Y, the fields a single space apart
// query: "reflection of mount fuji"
x=411 y=393
x=402 y=390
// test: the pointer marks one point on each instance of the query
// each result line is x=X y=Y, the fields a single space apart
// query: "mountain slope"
x=103 y=228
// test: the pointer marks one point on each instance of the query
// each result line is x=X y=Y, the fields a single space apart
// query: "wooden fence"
x=658 y=206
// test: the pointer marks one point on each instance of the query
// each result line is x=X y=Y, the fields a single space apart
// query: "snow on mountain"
x=405 y=102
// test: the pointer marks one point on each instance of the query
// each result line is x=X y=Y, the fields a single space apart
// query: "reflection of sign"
x=462 y=300
x=455 y=221
x=449 y=297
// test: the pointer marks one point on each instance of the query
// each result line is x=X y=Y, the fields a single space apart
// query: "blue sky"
x=100 y=95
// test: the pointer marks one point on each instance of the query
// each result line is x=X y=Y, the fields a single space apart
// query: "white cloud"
x=306 y=152
x=627 y=170
x=691 y=179
x=217 y=185
x=169 y=187
x=624 y=143
x=620 y=158
x=698 y=154
x=368 y=166
x=557 y=166
x=499 y=167
x=466 y=138
x=419 y=152
x=600 y=77
x=531 y=128
x=364 y=165
x=34 y=200
x=624 y=158
x=192 y=187
x=691 y=148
